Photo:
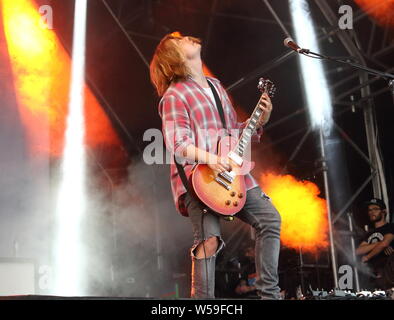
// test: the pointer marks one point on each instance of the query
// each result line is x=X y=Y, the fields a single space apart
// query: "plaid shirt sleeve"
x=176 y=126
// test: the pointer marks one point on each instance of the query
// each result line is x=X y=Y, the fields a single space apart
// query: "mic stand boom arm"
x=387 y=76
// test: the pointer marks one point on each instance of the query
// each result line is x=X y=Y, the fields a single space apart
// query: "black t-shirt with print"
x=377 y=235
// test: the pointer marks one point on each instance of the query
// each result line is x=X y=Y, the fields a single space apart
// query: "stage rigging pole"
x=328 y=205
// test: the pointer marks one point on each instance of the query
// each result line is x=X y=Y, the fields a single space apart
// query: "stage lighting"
x=314 y=81
x=71 y=204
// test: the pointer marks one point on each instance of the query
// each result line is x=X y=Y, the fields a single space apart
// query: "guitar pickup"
x=228 y=176
x=221 y=182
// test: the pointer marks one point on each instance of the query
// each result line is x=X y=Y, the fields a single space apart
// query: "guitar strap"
x=179 y=167
x=218 y=104
x=182 y=175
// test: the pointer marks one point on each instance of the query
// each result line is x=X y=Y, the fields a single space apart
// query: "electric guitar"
x=225 y=193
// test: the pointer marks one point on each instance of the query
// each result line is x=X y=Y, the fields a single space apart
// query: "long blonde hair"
x=167 y=64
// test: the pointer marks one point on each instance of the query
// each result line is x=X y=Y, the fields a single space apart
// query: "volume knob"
x=240 y=195
x=232 y=194
x=228 y=202
x=235 y=203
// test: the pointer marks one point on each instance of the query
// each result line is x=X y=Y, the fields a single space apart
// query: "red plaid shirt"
x=189 y=116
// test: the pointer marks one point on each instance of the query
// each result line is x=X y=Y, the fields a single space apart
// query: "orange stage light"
x=381 y=10
x=176 y=34
x=41 y=71
x=303 y=212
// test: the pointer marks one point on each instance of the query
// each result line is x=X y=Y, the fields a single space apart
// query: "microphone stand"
x=390 y=78
x=387 y=76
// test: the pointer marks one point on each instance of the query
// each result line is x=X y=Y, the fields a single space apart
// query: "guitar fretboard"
x=247 y=133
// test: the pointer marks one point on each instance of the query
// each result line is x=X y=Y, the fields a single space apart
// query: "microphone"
x=289 y=42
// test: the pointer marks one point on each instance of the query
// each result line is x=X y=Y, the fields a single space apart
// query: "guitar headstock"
x=266 y=86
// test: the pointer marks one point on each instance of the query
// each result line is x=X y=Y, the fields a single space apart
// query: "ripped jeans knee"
x=207 y=248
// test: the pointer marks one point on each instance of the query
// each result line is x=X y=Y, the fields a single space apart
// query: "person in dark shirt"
x=378 y=246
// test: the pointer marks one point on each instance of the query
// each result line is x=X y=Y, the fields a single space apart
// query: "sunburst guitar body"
x=225 y=193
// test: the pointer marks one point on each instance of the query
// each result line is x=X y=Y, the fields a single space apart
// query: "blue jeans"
x=258 y=212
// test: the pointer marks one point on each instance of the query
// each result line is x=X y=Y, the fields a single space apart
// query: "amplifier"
x=17 y=276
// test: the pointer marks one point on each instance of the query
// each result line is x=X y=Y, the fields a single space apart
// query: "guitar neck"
x=247 y=133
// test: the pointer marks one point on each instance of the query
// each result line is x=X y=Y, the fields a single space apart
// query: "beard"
x=377 y=217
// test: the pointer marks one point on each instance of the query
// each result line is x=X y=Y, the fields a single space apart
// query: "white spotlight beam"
x=71 y=198
x=314 y=80
x=317 y=96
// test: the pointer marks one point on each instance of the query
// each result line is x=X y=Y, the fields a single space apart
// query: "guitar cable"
x=203 y=212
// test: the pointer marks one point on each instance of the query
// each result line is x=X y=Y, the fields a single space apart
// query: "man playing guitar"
x=189 y=110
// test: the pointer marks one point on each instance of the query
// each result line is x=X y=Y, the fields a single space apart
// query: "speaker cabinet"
x=17 y=276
